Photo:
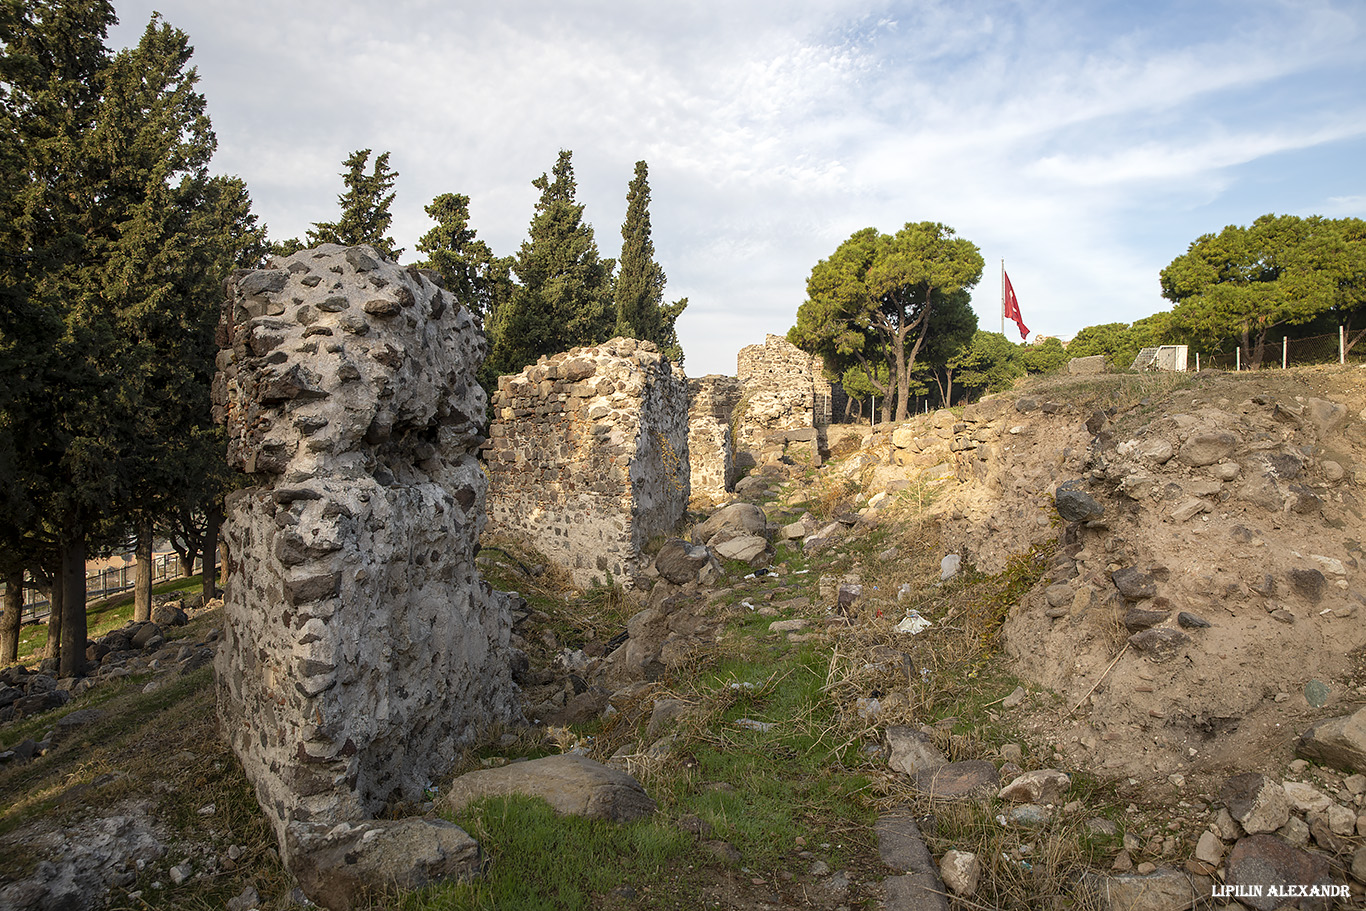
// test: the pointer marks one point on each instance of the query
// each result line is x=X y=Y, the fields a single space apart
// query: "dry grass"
x=1120 y=391
x=948 y=678
x=157 y=753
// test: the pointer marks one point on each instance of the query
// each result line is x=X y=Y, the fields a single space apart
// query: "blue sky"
x=1085 y=143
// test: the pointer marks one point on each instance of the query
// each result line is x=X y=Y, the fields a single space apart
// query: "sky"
x=1086 y=144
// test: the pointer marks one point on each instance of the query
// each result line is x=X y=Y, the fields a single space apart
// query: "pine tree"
x=640 y=281
x=563 y=299
x=365 y=205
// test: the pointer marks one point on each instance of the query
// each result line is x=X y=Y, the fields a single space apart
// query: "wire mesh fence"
x=1287 y=352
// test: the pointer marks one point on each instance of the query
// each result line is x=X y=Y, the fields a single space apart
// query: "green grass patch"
x=540 y=861
x=101 y=617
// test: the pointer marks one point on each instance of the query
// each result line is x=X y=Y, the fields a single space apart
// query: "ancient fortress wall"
x=783 y=389
x=711 y=401
x=588 y=456
x=361 y=649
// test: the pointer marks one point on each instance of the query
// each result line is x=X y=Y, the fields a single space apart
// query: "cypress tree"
x=365 y=205
x=563 y=299
x=639 y=293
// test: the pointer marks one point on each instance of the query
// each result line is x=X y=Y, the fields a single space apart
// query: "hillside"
x=928 y=591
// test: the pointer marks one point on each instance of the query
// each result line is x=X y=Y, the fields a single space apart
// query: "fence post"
x=1285 y=344
x=1197 y=362
x=1238 y=358
x=1342 y=345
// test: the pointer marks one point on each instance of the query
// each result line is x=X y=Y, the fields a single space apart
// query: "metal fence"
x=102 y=584
x=1289 y=352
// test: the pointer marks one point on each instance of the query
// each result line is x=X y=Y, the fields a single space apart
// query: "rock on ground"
x=902 y=848
x=1266 y=860
x=341 y=867
x=1339 y=742
x=1256 y=802
x=959 y=780
x=572 y=785
x=1164 y=889
x=912 y=750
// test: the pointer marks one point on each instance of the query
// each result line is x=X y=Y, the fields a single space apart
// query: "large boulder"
x=1207 y=448
x=1260 y=862
x=344 y=866
x=1164 y=889
x=959 y=780
x=678 y=561
x=912 y=750
x=734 y=521
x=1075 y=504
x=572 y=785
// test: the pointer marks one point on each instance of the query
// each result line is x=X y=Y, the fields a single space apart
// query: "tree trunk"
x=11 y=619
x=1259 y=352
x=72 y=661
x=186 y=559
x=905 y=364
x=903 y=379
x=54 y=617
x=142 y=586
x=213 y=518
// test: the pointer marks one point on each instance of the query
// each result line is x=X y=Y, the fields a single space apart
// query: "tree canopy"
x=989 y=363
x=1237 y=285
x=365 y=205
x=878 y=297
x=1043 y=357
x=478 y=279
x=113 y=256
x=564 y=295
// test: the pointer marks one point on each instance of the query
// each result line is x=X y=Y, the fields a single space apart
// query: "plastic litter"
x=750 y=724
x=913 y=624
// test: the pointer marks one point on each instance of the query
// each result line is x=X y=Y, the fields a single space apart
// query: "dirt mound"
x=1213 y=611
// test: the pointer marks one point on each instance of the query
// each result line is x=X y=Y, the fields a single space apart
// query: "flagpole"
x=1003 y=296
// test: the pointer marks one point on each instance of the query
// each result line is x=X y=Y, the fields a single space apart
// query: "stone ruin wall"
x=711 y=401
x=361 y=649
x=588 y=457
x=784 y=388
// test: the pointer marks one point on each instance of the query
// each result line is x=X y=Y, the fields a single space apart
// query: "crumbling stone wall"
x=711 y=400
x=784 y=388
x=361 y=649
x=588 y=456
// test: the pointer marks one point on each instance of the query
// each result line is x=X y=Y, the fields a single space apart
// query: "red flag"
x=1012 y=307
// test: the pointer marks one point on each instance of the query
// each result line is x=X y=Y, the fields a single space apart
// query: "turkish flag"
x=1012 y=307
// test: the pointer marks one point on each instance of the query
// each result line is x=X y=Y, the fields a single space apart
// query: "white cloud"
x=1085 y=143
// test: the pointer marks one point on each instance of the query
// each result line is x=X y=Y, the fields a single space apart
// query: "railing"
x=102 y=584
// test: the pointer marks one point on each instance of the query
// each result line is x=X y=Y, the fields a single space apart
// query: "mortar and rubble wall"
x=361 y=649
x=588 y=459
x=783 y=388
x=711 y=450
